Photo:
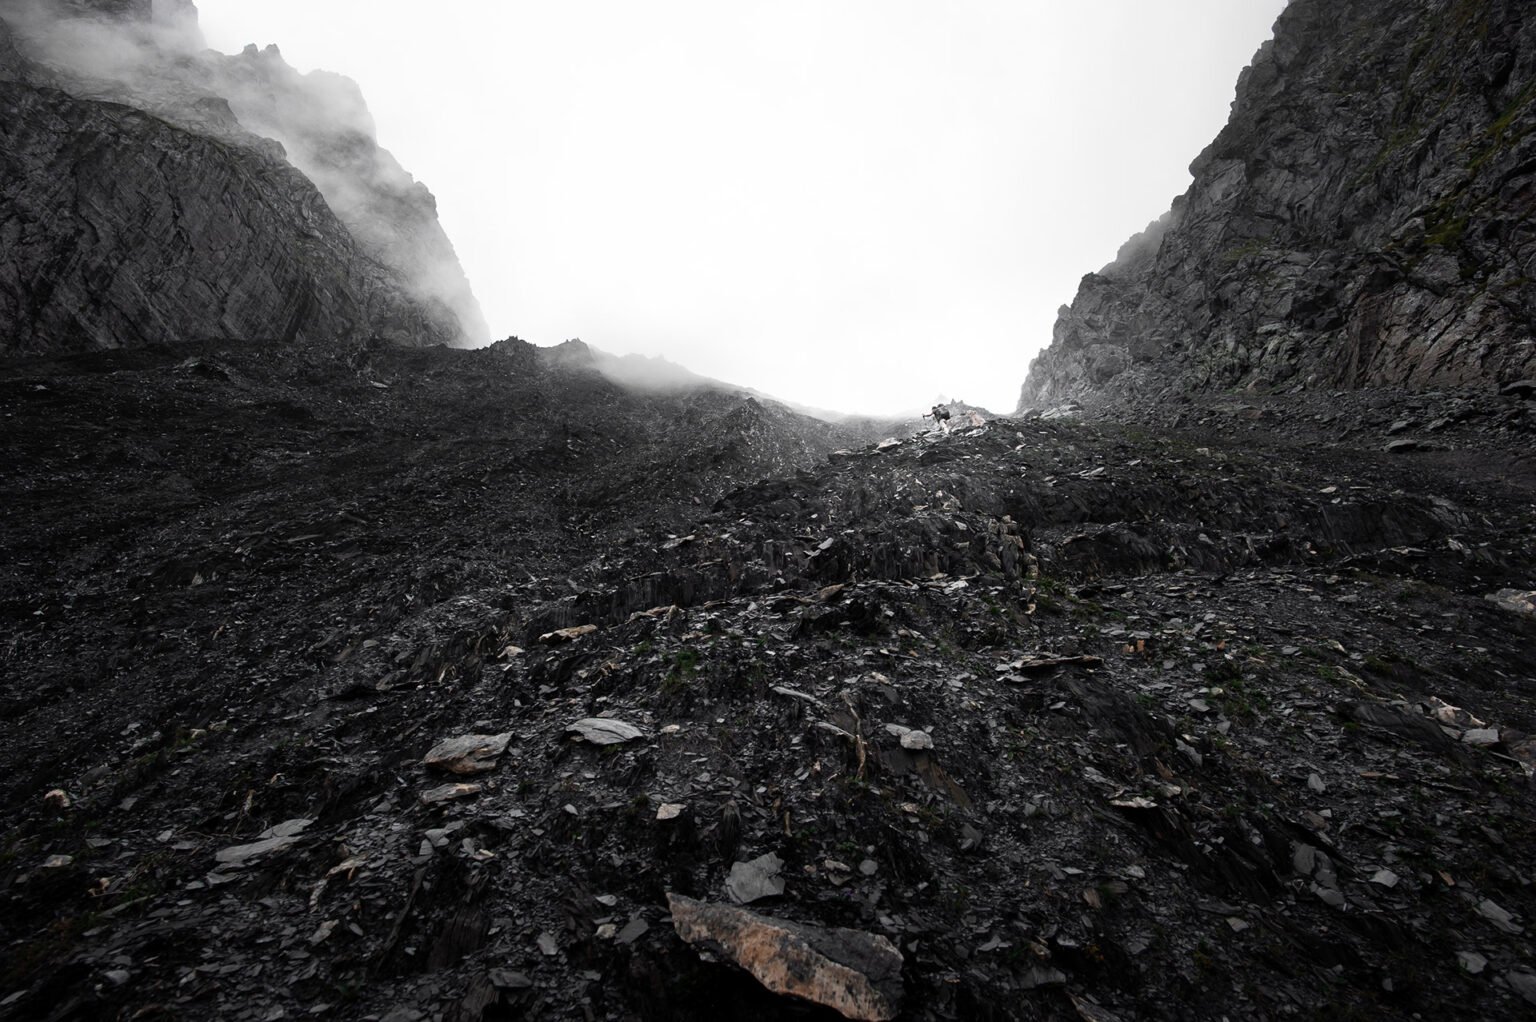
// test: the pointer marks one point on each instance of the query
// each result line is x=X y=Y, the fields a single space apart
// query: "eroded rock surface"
x=145 y=196
x=1365 y=219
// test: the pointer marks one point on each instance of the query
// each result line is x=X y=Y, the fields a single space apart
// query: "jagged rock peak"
x=278 y=215
x=1363 y=220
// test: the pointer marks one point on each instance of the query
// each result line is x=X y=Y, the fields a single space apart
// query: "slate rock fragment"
x=636 y=928
x=1515 y=601
x=509 y=979
x=759 y=878
x=468 y=754
x=1403 y=722
x=603 y=731
x=856 y=974
x=449 y=792
x=1471 y=962
x=1522 y=983
x=273 y=839
x=1499 y=916
x=560 y=635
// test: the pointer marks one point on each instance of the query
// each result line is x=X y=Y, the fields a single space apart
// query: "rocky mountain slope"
x=407 y=684
x=1367 y=218
x=152 y=190
x=346 y=677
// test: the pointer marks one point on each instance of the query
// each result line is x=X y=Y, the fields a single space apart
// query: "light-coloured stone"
x=856 y=974
x=449 y=792
x=560 y=635
x=468 y=754
x=1515 y=601
x=604 y=731
x=1522 y=983
x=760 y=878
x=1499 y=916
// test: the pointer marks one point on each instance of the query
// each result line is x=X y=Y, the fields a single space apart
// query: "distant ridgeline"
x=1367 y=218
x=154 y=190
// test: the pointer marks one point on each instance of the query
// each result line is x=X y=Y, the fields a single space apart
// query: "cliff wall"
x=153 y=190
x=1365 y=219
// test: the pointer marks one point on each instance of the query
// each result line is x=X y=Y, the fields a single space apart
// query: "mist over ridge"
x=895 y=200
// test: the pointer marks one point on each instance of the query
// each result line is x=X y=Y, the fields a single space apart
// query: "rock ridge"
x=156 y=191
x=1363 y=220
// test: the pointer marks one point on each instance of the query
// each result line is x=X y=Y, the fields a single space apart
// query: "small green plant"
x=683 y=668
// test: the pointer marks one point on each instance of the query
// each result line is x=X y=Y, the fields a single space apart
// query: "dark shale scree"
x=350 y=675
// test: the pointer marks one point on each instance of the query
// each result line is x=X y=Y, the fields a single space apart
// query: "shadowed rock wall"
x=1365 y=219
x=152 y=190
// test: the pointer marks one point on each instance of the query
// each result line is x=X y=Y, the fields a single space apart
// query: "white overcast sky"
x=853 y=204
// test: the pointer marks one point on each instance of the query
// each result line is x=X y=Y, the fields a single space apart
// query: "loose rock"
x=757 y=879
x=468 y=754
x=603 y=731
x=272 y=840
x=560 y=635
x=856 y=974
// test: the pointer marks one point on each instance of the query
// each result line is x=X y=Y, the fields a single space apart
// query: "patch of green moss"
x=1238 y=253
x=1447 y=233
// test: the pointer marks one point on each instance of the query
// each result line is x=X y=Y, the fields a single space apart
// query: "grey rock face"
x=1364 y=220
x=157 y=191
x=120 y=230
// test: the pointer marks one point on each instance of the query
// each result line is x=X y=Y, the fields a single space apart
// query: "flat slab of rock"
x=468 y=754
x=1515 y=601
x=759 y=878
x=272 y=840
x=1482 y=737
x=560 y=635
x=1047 y=661
x=854 y=973
x=451 y=791
x=603 y=731
x=1520 y=388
